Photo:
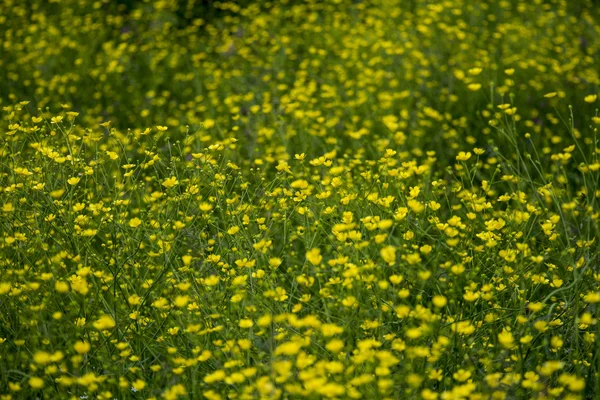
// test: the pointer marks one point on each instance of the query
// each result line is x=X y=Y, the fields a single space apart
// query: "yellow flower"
x=349 y=301
x=205 y=207
x=187 y=260
x=331 y=329
x=283 y=166
x=112 y=155
x=474 y=87
x=314 y=256
x=592 y=297
x=181 y=301
x=471 y=296
x=462 y=156
x=556 y=342
x=335 y=345
x=541 y=326
x=414 y=191
x=413 y=258
x=506 y=339
x=135 y=222
x=590 y=98
x=61 y=287
x=73 y=181
x=216 y=376
x=425 y=249
x=82 y=347
x=535 y=306
x=36 y=383
x=161 y=128
x=288 y=348
x=264 y=321
x=274 y=262
x=416 y=206
x=170 y=182
x=42 y=357
x=475 y=71
x=104 y=322
x=439 y=301
x=461 y=375
x=138 y=384
x=388 y=253
x=246 y=323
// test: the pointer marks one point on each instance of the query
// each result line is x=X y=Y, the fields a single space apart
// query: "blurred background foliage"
x=180 y=63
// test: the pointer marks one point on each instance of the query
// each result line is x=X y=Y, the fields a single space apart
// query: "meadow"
x=346 y=199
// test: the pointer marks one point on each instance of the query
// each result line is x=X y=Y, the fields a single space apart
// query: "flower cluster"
x=303 y=200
